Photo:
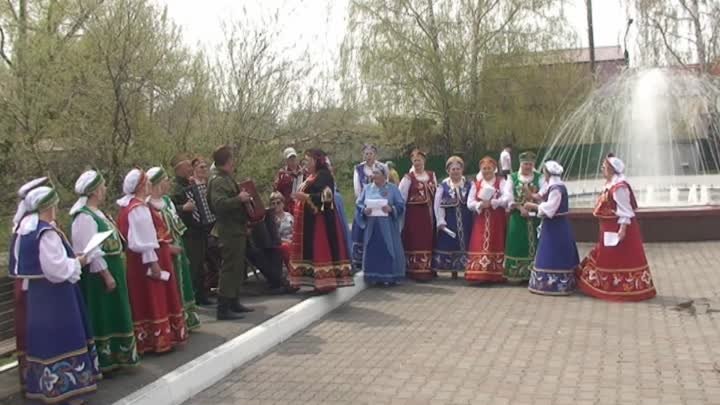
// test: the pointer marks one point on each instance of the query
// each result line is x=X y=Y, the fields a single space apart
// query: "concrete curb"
x=192 y=378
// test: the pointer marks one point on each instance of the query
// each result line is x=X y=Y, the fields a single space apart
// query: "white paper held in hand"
x=487 y=193
x=450 y=233
x=376 y=205
x=95 y=241
x=611 y=239
x=164 y=275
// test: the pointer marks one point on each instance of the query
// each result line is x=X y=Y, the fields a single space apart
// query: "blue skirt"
x=62 y=362
x=553 y=272
x=356 y=246
x=384 y=256
x=451 y=254
x=340 y=208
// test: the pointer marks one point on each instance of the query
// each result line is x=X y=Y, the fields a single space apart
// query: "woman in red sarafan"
x=488 y=200
x=418 y=235
x=620 y=272
x=157 y=311
x=319 y=257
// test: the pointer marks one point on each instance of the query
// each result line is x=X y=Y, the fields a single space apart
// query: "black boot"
x=225 y=312
x=204 y=301
x=236 y=306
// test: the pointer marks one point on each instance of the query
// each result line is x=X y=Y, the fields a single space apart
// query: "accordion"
x=255 y=207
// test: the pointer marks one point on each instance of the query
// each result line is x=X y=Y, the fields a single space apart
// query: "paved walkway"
x=211 y=335
x=447 y=343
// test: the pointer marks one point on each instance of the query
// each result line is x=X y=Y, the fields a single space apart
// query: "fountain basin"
x=678 y=224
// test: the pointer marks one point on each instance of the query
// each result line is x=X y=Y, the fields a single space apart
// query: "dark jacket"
x=232 y=218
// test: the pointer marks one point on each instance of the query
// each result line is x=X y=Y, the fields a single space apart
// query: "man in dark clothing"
x=227 y=202
x=196 y=236
x=263 y=253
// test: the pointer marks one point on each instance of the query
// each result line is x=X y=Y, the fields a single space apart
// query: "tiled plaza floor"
x=447 y=343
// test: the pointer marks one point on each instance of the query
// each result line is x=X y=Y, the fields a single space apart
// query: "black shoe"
x=224 y=311
x=277 y=290
x=236 y=306
x=205 y=301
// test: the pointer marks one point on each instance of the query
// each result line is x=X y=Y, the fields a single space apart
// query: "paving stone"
x=448 y=343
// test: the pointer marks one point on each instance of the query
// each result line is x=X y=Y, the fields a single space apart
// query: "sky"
x=319 y=25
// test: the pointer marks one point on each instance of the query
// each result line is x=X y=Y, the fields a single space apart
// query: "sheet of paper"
x=164 y=275
x=95 y=241
x=376 y=203
x=376 y=206
x=450 y=233
x=611 y=239
x=487 y=193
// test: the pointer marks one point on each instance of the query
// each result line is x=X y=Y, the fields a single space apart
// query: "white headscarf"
x=130 y=185
x=619 y=167
x=617 y=164
x=22 y=193
x=33 y=201
x=87 y=179
x=554 y=168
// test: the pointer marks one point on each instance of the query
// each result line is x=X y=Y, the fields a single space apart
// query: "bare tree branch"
x=2 y=48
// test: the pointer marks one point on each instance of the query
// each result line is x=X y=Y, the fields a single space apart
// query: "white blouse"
x=285 y=227
x=550 y=207
x=439 y=211
x=502 y=202
x=405 y=183
x=83 y=229
x=357 y=186
x=54 y=261
x=142 y=237
x=623 y=210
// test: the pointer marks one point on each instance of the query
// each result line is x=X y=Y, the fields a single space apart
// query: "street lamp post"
x=627 y=31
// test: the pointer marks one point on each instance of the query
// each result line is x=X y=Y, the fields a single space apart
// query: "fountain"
x=665 y=125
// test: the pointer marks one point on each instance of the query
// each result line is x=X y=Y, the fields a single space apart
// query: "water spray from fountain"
x=663 y=123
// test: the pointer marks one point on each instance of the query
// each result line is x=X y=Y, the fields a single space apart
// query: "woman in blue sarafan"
x=383 y=255
x=553 y=272
x=453 y=215
x=362 y=176
x=62 y=361
x=340 y=208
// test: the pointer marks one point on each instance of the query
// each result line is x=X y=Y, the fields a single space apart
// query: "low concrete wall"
x=659 y=225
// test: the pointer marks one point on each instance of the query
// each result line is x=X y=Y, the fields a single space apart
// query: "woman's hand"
x=300 y=196
x=109 y=281
x=622 y=232
x=485 y=204
x=367 y=211
x=530 y=206
x=525 y=213
x=155 y=271
x=387 y=209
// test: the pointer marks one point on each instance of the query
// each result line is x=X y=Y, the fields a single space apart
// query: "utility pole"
x=591 y=35
x=627 y=31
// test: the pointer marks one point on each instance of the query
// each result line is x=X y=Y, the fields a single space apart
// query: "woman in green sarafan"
x=159 y=200
x=521 y=241
x=103 y=281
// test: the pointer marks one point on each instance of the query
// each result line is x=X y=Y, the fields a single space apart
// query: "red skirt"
x=418 y=238
x=617 y=273
x=157 y=310
x=320 y=271
x=486 y=251
x=20 y=298
x=285 y=249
